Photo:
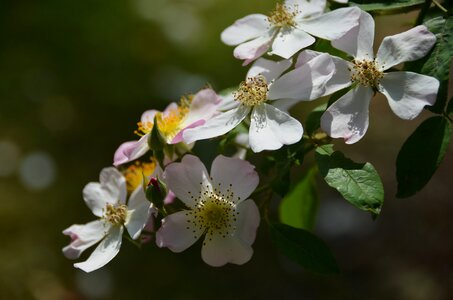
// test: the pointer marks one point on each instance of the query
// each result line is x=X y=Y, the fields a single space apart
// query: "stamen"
x=253 y=91
x=366 y=73
x=135 y=173
x=116 y=215
x=282 y=17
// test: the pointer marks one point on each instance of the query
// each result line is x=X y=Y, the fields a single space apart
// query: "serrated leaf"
x=358 y=183
x=298 y=208
x=387 y=6
x=304 y=248
x=421 y=154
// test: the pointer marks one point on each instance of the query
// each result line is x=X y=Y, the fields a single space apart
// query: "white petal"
x=331 y=25
x=178 y=232
x=306 y=82
x=268 y=68
x=248 y=221
x=148 y=116
x=104 y=252
x=83 y=237
x=251 y=50
x=114 y=183
x=218 y=251
x=358 y=42
x=217 y=126
x=408 y=93
x=139 y=209
x=186 y=179
x=284 y=104
x=308 y=8
x=130 y=151
x=247 y=28
x=406 y=46
x=234 y=174
x=347 y=117
x=289 y=42
x=228 y=102
x=271 y=128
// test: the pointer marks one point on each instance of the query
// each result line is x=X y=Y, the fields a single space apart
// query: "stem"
x=423 y=12
x=448 y=117
x=440 y=6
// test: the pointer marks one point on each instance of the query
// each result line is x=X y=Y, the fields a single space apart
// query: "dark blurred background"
x=75 y=77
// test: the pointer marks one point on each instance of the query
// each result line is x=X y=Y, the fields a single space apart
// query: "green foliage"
x=421 y=154
x=304 y=248
x=359 y=183
x=437 y=63
x=298 y=208
x=387 y=6
x=314 y=119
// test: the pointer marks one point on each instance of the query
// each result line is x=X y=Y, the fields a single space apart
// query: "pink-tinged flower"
x=407 y=92
x=218 y=208
x=191 y=112
x=107 y=200
x=288 y=29
x=261 y=95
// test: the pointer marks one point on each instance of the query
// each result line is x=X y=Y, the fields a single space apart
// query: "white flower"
x=217 y=208
x=189 y=113
x=287 y=29
x=270 y=127
x=107 y=200
x=406 y=92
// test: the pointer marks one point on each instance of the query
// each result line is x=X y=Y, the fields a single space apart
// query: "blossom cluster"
x=159 y=170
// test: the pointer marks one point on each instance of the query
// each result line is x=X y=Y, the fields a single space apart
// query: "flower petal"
x=358 y=42
x=306 y=82
x=139 y=209
x=307 y=8
x=186 y=179
x=217 y=126
x=331 y=25
x=268 y=68
x=203 y=106
x=83 y=237
x=347 y=117
x=251 y=50
x=408 y=93
x=178 y=232
x=218 y=251
x=245 y=29
x=289 y=41
x=248 y=221
x=148 y=116
x=271 y=128
x=234 y=174
x=104 y=252
x=130 y=151
x=406 y=46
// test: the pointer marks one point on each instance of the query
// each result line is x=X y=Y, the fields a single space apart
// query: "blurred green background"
x=75 y=77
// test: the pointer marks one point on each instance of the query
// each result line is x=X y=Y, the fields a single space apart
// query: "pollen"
x=115 y=215
x=136 y=173
x=366 y=73
x=282 y=17
x=143 y=128
x=169 y=123
x=252 y=91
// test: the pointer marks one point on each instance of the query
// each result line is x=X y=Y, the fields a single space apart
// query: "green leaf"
x=421 y=154
x=387 y=6
x=358 y=183
x=304 y=248
x=298 y=208
x=437 y=63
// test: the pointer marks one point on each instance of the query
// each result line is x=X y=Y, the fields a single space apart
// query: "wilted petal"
x=186 y=178
x=130 y=151
x=248 y=221
x=245 y=29
x=217 y=126
x=83 y=237
x=178 y=232
x=139 y=209
x=218 y=251
x=347 y=117
x=271 y=128
x=268 y=68
x=408 y=93
x=234 y=174
x=251 y=50
x=289 y=42
x=104 y=252
x=406 y=46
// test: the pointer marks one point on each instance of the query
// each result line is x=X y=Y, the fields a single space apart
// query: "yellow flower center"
x=135 y=174
x=282 y=17
x=253 y=91
x=143 y=128
x=366 y=73
x=115 y=215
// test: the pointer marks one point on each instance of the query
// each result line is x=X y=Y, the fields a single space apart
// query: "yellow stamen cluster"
x=136 y=173
x=115 y=215
x=282 y=17
x=215 y=214
x=143 y=128
x=253 y=91
x=169 y=124
x=366 y=73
